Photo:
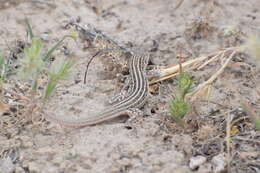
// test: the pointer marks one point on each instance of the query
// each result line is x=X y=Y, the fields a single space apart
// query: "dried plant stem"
x=173 y=70
x=201 y=87
x=212 y=59
x=178 y=4
x=228 y=142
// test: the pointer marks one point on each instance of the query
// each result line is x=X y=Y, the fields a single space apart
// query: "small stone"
x=67 y=51
x=219 y=163
x=45 y=37
x=7 y=165
x=196 y=161
x=115 y=156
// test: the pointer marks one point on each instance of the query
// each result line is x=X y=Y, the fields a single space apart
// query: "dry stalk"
x=174 y=69
x=228 y=141
x=222 y=53
x=202 y=86
x=178 y=4
x=166 y=73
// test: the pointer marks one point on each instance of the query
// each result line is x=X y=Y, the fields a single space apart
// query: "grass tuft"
x=2 y=67
x=31 y=63
x=178 y=107
x=59 y=70
x=184 y=84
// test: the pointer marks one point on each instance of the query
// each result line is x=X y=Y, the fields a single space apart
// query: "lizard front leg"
x=125 y=91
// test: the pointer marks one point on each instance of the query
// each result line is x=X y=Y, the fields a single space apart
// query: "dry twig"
x=204 y=85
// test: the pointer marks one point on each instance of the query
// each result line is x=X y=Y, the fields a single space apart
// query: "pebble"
x=219 y=163
x=45 y=37
x=196 y=161
x=6 y=165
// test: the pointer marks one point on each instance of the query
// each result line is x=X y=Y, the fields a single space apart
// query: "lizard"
x=125 y=103
x=128 y=105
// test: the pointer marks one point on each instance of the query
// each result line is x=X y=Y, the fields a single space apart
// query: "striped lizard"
x=136 y=97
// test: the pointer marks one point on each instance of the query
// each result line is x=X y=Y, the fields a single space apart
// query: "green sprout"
x=184 y=84
x=2 y=63
x=29 y=29
x=2 y=69
x=59 y=70
x=32 y=63
x=178 y=107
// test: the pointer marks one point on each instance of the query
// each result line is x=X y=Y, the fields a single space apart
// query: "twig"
x=228 y=141
x=178 y=4
x=196 y=92
x=173 y=70
x=193 y=64
x=212 y=59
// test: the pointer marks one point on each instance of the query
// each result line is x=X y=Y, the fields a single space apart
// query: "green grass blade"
x=49 y=89
x=1 y=61
x=29 y=29
x=32 y=63
x=59 y=70
x=2 y=69
x=49 y=53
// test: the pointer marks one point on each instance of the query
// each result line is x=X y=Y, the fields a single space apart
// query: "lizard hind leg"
x=133 y=113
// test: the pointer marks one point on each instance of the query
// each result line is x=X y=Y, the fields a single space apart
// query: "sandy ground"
x=146 y=144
